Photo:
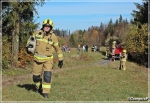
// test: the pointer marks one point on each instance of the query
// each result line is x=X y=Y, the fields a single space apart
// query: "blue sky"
x=80 y=14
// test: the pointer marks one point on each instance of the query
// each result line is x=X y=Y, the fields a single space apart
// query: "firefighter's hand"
x=60 y=63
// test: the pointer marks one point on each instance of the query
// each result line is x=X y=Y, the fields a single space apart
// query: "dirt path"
x=16 y=79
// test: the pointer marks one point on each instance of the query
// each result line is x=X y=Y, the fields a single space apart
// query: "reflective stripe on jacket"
x=42 y=57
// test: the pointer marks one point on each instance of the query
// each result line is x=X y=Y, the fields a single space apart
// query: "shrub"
x=137 y=43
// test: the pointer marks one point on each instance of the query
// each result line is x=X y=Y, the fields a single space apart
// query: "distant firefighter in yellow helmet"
x=123 y=59
x=113 y=50
x=42 y=46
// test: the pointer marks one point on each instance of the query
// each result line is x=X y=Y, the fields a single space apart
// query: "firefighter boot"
x=45 y=95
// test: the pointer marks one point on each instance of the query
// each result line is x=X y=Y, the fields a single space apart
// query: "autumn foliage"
x=23 y=58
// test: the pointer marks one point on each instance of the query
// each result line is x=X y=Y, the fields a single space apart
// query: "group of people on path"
x=85 y=48
x=95 y=48
x=65 y=48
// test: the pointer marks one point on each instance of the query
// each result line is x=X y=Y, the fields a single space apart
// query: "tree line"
x=133 y=34
x=18 y=22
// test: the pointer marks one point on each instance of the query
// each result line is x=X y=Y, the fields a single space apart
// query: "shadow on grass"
x=106 y=58
x=31 y=87
x=28 y=87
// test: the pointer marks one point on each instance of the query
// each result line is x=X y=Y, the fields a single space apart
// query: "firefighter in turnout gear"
x=113 y=50
x=107 y=50
x=123 y=58
x=46 y=43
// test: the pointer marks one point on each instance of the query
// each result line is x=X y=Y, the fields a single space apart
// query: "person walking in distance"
x=113 y=50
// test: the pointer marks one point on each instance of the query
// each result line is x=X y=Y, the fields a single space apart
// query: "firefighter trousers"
x=42 y=75
x=123 y=65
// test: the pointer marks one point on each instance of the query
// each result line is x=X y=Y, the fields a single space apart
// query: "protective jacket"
x=113 y=45
x=45 y=46
x=123 y=57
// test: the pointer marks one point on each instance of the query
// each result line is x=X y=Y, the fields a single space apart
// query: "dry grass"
x=87 y=81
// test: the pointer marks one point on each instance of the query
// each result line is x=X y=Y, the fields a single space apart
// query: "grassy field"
x=85 y=77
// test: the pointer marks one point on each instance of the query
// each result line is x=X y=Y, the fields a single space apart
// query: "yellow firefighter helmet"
x=124 y=51
x=48 y=22
x=114 y=41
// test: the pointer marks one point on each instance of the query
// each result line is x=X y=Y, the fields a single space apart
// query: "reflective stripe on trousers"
x=123 y=60
x=46 y=86
x=60 y=55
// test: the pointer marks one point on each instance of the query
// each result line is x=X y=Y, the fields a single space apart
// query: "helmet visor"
x=46 y=25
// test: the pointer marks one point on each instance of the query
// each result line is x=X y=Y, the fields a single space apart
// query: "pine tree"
x=71 y=40
x=120 y=19
x=141 y=15
x=111 y=27
x=17 y=19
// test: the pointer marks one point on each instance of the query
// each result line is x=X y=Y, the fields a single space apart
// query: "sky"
x=81 y=14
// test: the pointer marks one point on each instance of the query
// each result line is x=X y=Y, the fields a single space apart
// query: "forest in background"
x=18 y=23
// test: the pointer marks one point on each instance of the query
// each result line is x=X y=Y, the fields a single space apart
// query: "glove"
x=60 y=63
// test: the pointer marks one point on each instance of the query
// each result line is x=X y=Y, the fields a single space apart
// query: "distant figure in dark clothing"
x=86 y=48
x=92 y=49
